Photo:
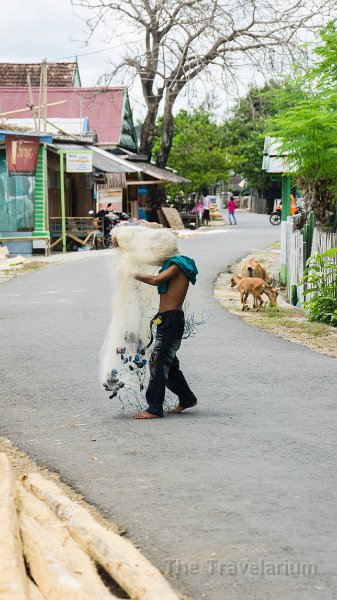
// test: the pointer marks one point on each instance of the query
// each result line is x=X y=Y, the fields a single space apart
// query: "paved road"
x=232 y=500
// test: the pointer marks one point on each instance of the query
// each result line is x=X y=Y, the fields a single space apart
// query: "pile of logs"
x=50 y=546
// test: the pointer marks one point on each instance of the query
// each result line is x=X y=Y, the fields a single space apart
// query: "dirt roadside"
x=290 y=323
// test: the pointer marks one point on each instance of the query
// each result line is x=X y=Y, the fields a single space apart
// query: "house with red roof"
x=107 y=111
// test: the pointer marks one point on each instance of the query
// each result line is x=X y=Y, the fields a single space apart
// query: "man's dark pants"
x=164 y=365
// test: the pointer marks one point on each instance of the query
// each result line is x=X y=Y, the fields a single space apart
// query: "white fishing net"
x=124 y=355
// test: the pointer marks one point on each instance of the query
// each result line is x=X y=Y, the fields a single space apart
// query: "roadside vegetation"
x=290 y=323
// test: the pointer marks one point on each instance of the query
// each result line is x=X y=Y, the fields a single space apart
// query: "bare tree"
x=180 y=40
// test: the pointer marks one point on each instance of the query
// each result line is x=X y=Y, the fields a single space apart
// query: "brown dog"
x=255 y=286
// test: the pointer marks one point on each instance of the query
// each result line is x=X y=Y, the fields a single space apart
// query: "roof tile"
x=58 y=74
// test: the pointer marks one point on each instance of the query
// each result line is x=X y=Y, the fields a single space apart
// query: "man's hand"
x=114 y=241
x=157 y=279
x=150 y=279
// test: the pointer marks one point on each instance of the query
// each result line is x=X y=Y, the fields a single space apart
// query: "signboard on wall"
x=79 y=162
x=21 y=154
x=113 y=196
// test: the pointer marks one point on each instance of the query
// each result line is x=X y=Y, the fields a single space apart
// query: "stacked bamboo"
x=50 y=545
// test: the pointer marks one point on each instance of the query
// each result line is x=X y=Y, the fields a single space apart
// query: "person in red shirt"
x=231 y=211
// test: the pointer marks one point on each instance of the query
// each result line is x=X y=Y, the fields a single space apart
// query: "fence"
x=300 y=246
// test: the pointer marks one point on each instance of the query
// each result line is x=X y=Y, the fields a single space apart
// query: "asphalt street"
x=235 y=499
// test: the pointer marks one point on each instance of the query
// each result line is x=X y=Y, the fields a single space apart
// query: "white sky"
x=35 y=29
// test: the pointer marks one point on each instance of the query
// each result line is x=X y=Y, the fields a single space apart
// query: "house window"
x=16 y=200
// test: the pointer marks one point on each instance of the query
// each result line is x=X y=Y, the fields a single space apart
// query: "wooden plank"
x=61 y=570
x=22 y=239
x=126 y=565
x=13 y=577
x=173 y=217
x=150 y=182
x=162 y=219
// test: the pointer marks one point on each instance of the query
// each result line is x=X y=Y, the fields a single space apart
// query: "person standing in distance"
x=231 y=211
x=206 y=204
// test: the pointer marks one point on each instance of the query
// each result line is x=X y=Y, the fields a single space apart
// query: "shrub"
x=320 y=281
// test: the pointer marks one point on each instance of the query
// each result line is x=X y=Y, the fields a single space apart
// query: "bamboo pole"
x=31 y=100
x=21 y=110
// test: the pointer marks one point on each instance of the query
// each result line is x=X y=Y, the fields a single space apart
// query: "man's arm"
x=157 y=279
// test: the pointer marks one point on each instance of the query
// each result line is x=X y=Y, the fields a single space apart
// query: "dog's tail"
x=250 y=271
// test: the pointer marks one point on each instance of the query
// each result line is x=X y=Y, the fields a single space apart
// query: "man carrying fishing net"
x=172 y=282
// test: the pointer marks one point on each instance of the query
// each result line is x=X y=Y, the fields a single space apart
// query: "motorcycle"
x=275 y=217
x=110 y=222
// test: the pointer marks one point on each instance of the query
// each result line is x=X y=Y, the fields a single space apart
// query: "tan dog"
x=253 y=268
x=255 y=286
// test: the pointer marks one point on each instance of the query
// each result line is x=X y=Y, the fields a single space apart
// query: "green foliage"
x=245 y=132
x=306 y=125
x=198 y=152
x=320 y=280
x=325 y=69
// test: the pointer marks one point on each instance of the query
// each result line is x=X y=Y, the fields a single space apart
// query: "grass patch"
x=34 y=266
x=293 y=320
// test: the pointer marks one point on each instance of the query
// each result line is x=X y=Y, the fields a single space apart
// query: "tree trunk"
x=167 y=132
x=148 y=129
x=318 y=197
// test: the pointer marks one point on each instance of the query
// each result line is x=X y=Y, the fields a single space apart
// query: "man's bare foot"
x=145 y=415
x=179 y=409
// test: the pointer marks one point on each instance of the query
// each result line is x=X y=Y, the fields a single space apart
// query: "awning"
x=161 y=174
x=101 y=160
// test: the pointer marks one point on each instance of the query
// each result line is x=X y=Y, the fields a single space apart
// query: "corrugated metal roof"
x=103 y=106
x=159 y=173
x=101 y=160
x=58 y=74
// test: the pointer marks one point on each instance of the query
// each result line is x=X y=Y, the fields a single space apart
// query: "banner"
x=79 y=162
x=21 y=154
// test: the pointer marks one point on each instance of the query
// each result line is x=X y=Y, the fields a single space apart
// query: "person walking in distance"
x=206 y=204
x=231 y=211
x=172 y=282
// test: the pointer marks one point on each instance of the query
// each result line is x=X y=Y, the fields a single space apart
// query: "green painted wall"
x=40 y=195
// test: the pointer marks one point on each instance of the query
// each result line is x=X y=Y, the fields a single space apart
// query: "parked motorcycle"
x=110 y=222
x=275 y=217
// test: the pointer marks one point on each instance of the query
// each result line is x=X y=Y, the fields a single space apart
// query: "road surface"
x=235 y=500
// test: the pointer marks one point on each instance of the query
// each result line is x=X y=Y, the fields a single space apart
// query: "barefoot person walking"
x=172 y=281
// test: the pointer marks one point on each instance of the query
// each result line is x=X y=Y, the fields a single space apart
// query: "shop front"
x=23 y=225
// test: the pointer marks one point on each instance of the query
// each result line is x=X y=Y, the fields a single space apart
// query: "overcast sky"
x=36 y=29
